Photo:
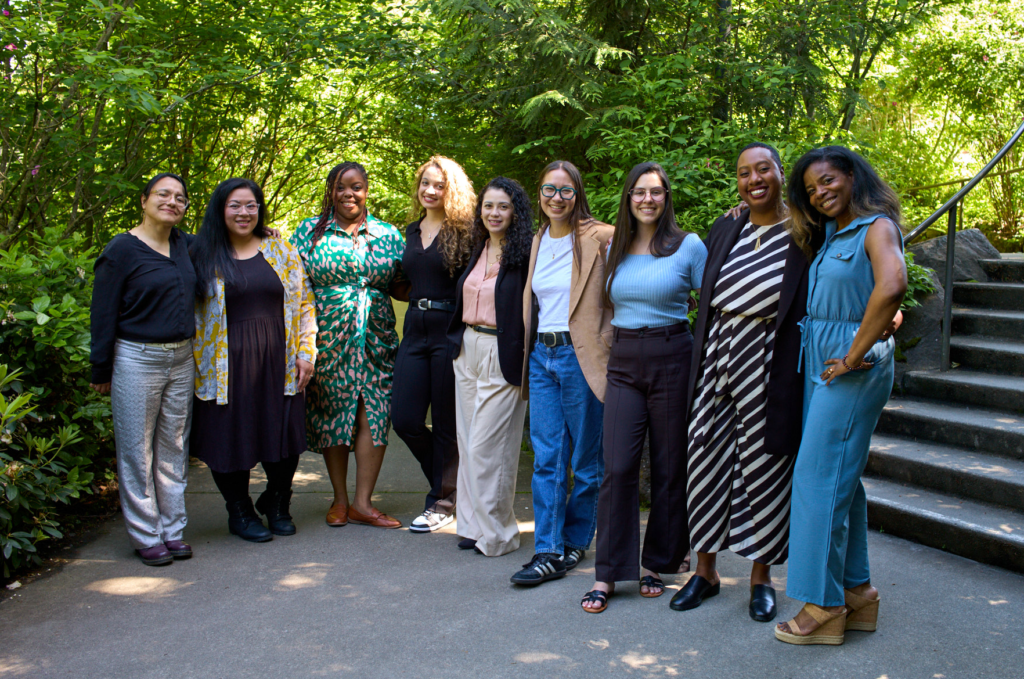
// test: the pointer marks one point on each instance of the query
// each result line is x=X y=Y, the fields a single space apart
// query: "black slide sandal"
x=650 y=582
x=598 y=596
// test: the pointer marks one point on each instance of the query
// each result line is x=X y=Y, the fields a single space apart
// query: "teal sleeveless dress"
x=829 y=520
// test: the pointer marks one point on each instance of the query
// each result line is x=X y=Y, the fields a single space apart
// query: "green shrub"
x=919 y=282
x=36 y=474
x=57 y=433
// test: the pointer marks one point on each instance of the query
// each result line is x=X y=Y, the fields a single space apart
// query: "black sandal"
x=650 y=582
x=598 y=596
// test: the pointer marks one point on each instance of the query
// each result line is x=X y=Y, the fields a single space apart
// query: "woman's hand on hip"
x=897 y=321
x=304 y=371
x=101 y=388
x=836 y=368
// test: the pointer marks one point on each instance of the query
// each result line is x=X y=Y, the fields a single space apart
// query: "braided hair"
x=327 y=205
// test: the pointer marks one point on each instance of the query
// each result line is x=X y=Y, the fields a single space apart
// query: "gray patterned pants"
x=151 y=398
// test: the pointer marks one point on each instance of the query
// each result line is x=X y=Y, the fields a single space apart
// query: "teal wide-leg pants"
x=829 y=518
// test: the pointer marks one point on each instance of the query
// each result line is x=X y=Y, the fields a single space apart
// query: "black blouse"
x=426 y=270
x=140 y=296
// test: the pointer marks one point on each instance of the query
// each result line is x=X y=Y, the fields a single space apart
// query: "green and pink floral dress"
x=356 y=341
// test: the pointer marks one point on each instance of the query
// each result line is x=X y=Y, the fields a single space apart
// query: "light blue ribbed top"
x=651 y=292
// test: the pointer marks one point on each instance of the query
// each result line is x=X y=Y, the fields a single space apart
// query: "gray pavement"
x=360 y=601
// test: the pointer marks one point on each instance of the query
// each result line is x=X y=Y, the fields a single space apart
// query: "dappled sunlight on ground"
x=147 y=587
x=305 y=575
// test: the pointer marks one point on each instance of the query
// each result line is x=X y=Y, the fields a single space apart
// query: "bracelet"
x=847 y=365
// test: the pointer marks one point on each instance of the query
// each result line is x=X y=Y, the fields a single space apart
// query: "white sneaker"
x=430 y=521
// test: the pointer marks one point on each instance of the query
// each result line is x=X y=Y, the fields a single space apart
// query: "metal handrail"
x=951 y=208
x=958 y=196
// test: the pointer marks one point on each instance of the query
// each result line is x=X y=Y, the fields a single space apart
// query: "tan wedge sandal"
x=830 y=632
x=861 y=613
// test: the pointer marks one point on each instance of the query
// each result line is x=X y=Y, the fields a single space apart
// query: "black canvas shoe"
x=572 y=557
x=542 y=567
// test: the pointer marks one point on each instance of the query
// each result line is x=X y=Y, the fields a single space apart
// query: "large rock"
x=919 y=339
x=971 y=245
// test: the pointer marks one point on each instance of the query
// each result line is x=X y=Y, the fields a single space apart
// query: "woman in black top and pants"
x=437 y=249
x=143 y=320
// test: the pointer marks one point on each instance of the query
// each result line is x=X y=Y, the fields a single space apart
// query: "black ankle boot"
x=273 y=504
x=244 y=522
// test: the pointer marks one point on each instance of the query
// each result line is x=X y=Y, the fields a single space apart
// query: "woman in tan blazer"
x=567 y=340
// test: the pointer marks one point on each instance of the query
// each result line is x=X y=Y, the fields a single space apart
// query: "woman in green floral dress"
x=354 y=263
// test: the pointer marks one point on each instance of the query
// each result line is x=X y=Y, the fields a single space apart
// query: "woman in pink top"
x=488 y=328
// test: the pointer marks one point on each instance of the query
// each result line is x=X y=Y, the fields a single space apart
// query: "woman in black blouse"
x=143 y=320
x=436 y=251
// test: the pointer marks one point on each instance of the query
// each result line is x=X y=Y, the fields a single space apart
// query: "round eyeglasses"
x=656 y=194
x=549 y=191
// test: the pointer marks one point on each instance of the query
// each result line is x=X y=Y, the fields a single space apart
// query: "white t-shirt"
x=552 y=278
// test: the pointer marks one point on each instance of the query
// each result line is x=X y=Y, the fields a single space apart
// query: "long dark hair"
x=667 y=235
x=870 y=196
x=519 y=236
x=212 y=253
x=327 y=204
x=580 y=213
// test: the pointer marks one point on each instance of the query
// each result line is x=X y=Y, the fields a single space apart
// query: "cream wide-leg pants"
x=489 y=415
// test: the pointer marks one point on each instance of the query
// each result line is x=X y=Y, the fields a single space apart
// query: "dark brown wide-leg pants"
x=647 y=376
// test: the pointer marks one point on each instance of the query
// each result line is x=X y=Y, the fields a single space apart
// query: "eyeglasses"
x=638 y=195
x=549 y=191
x=165 y=195
x=248 y=207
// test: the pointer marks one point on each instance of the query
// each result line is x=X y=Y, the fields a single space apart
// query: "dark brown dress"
x=259 y=423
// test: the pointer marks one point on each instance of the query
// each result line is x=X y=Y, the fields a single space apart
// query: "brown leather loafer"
x=374 y=518
x=337 y=516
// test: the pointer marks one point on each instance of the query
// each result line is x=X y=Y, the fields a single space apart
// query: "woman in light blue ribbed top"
x=649 y=291
x=652 y=267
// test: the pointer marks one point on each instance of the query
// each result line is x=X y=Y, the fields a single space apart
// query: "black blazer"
x=785 y=384
x=508 y=311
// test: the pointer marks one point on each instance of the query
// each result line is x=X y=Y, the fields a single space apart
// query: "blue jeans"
x=565 y=430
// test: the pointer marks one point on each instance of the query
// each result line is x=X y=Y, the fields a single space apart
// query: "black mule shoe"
x=693 y=593
x=467 y=543
x=762 y=603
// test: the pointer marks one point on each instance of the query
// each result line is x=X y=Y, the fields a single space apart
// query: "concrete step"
x=1009 y=296
x=961 y=426
x=970 y=474
x=978 y=531
x=988 y=322
x=992 y=354
x=1006 y=270
x=988 y=390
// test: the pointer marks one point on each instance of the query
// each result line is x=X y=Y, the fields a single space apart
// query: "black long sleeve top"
x=141 y=296
x=425 y=268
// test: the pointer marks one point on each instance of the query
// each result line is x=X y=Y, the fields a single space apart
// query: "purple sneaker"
x=178 y=549
x=155 y=556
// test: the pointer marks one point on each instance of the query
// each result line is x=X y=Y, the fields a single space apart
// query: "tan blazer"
x=590 y=324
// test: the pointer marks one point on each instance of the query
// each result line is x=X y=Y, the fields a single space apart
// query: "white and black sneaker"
x=572 y=557
x=430 y=521
x=542 y=567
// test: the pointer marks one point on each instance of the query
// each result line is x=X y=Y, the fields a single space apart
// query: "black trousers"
x=234 y=486
x=425 y=378
x=647 y=376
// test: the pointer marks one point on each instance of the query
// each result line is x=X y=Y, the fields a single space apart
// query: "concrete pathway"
x=364 y=602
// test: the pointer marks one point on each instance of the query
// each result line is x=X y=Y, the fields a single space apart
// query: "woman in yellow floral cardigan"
x=255 y=348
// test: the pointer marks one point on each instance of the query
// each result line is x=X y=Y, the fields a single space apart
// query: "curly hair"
x=519 y=237
x=327 y=204
x=453 y=240
x=871 y=195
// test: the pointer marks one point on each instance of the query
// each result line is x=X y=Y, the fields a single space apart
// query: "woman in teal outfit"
x=856 y=284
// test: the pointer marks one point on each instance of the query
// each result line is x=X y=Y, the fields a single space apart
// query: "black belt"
x=438 y=304
x=555 y=339
x=484 y=330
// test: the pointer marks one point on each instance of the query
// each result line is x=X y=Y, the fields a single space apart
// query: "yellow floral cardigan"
x=210 y=346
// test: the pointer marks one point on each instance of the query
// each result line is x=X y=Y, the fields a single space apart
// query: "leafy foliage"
x=36 y=474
